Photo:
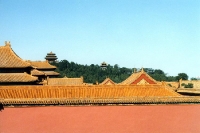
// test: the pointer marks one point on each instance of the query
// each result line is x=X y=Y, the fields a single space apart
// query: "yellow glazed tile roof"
x=84 y=91
x=36 y=72
x=65 y=81
x=9 y=59
x=48 y=73
x=135 y=76
x=41 y=64
x=107 y=81
x=17 y=77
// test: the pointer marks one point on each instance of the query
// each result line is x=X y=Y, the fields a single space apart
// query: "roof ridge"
x=41 y=64
x=36 y=72
x=17 y=77
x=130 y=77
x=150 y=77
x=8 y=54
x=106 y=80
x=134 y=76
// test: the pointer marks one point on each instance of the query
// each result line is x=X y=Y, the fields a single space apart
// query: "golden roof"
x=139 y=78
x=41 y=64
x=84 y=91
x=107 y=81
x=48 y=73
x=9 y=59
x=65 y=81
x=17 y=77
x=36 y=72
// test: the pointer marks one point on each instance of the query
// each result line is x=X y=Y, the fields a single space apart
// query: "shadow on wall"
x=1 y=107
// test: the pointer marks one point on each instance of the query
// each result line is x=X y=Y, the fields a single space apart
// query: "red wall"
x=102 y=119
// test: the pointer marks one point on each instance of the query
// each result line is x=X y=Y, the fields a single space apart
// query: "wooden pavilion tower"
x=51 y=57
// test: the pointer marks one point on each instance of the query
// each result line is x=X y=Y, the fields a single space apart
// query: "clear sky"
x=158 y=34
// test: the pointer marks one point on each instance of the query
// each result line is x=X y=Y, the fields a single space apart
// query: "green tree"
x=189 y=85
x=92 y=73
x=194 y=79
x=182 y=76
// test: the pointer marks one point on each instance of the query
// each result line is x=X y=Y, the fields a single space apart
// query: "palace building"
x=43 y=70
x=45 y=67
x=35 y=83
x=108 y=81
x=65 y=81
x=139 y=78
x=51 y=57
x=14 y=70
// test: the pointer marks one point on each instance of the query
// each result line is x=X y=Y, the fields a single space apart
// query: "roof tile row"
x=9 y=59
x=17 y=77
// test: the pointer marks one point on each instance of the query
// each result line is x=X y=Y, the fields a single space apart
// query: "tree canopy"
x=182 y=76
x=94 y=73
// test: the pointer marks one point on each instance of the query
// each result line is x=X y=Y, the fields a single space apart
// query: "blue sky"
x=158 y=34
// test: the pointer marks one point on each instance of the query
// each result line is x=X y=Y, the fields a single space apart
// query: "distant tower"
x=51 y=57
x=103 y=65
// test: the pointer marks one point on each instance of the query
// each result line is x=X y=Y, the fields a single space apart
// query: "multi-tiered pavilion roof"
x=12 y=68
x=51 y=57
x=45 y=67
x=9 y=59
